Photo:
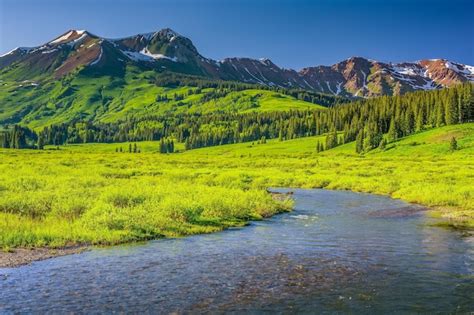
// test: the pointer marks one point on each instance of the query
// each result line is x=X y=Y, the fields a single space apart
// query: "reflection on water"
x=337 y=252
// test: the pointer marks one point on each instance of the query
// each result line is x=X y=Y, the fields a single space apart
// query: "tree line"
x=370 y=122
x=174 y=80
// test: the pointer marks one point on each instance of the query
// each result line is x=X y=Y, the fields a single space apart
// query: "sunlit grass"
x=89 y=194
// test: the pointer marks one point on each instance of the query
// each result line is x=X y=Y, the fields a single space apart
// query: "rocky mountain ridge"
x=166 y=50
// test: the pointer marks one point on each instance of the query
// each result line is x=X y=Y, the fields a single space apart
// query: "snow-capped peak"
x=67 y=36
x=169 y=33
x=264 y=61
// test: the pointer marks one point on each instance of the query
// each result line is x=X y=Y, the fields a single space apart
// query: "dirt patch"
x=23 y=256
x=447 y=136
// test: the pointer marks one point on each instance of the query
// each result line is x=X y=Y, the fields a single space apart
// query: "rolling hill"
x=84 y=97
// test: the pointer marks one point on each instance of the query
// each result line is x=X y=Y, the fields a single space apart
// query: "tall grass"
x=89 y=194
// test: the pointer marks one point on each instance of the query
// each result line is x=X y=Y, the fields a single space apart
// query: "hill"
x=84 y=97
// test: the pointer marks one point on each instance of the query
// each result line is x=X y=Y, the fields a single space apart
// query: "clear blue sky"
x=294 y=34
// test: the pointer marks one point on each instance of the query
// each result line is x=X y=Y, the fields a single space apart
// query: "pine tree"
x=169 y=146
x=453 y=145
x=440 y=121
x=162 y=148
x=392 y=131
x=383 y=144
x=360 y=142
x=134 y=148
x=419 y=120
x=451 y=110
x=40 y=144
x=372 y=136
x=331 y=139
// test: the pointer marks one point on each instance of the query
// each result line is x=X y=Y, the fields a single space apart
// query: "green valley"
x=112 y=141
x=90 y=194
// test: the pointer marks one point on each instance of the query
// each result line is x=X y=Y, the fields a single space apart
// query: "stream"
x=337 y=252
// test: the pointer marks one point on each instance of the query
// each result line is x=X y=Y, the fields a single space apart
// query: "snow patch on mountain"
x=22 y=49
x=146 y=55
x=78 y=40
x=329 y=87
x=411 y=70
x=464 y=69
x=146 y=52
x=49 y=51
x=136 y=56
x=66 y=36
x=338 y=87
x=98 y=58
x=253 y=76
x=429 y=85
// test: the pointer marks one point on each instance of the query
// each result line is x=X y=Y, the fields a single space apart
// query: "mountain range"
x=166 y=50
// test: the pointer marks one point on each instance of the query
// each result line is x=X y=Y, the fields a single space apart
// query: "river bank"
x=23 y=256
x=16 y=257
x=337 y=251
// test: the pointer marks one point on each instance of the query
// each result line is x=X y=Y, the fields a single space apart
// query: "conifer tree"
x=452 y=109
x=383 y=144
x=453 y=145
x=360 y=142
x=331 y=139
x=40 y=142
x=162 y=148
x=392 y=131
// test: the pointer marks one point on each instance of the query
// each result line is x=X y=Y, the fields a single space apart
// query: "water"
x=338 y=252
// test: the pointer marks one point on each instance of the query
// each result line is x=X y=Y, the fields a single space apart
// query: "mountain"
x=166 y=50
x=79 y=76
x=354 y=77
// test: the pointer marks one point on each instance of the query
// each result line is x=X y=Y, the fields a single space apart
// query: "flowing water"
x=337 y=252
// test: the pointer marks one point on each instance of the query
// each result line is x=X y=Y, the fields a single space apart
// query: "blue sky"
x=293 y=34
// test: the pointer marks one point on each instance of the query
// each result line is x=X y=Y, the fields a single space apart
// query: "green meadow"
x=91 y=194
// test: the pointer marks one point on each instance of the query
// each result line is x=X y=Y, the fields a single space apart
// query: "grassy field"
x=89 y=194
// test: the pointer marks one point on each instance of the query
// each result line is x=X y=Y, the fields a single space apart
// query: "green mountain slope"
x=83 y=96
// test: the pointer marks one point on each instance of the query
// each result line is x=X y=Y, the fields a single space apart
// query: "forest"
x=370 y=122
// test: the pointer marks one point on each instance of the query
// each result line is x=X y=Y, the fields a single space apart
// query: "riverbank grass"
x=90 y=194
